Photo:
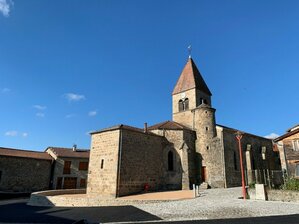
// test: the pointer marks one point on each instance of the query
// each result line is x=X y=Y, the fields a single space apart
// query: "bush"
x=252 y=185
x=291 y=184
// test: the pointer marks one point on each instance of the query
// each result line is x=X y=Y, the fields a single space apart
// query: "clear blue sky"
x=68 y=67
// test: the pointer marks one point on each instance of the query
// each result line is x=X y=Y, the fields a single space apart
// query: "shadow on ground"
x=289 y=219
x=19 y=212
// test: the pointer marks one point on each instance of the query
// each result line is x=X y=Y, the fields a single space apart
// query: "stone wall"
x=252 y=147
x=75 y=172
x=142 y=162
x=277 y=195
x=292 y=156
x=182 y=142
x=208 y=147
x=103 y=163
x=24 y=174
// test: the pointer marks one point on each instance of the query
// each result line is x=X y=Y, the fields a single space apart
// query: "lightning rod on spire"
x=189 y=50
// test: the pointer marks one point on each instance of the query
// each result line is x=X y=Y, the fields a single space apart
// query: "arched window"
x=170 y=161
x=186 y=104
x=181 y=105
x=200 y=101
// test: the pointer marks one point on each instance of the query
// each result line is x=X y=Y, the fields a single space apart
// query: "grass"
x=291 y=184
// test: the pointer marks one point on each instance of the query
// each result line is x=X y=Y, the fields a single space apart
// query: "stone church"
x=190 y=149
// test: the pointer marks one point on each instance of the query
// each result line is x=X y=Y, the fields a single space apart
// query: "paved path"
x=218 y=204
x=215 y=206
x=168 y=195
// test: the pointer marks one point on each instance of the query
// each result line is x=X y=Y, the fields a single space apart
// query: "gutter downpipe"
x=119 y=161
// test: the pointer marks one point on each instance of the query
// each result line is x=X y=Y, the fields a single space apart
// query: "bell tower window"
x=186 y=104
x=183 y=104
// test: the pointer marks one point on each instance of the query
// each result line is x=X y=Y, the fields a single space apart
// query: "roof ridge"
x=171 y=125
x=24 y=150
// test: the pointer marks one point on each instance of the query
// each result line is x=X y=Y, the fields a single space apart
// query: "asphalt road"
x=16 y=211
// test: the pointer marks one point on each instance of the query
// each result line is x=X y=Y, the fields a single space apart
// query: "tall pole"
x=239 y=137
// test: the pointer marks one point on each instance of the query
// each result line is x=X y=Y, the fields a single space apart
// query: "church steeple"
x=190 y=93
x=191 y=78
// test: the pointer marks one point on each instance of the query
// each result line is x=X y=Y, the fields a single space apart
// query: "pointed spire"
x=191 y=78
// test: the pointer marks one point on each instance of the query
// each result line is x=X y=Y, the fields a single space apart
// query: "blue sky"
x=68 y=67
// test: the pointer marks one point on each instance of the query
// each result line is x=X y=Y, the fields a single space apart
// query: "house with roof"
x=190 y=149
x=24 y=171
x=288 y=146
x=55 y=168
x=69 y=168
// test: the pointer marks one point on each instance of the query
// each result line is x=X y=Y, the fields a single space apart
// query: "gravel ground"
x=218 y=204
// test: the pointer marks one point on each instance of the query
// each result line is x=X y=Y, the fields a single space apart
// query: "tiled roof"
x=24 y=153
x=115 y=127
x=68 y=152
x=293 y=128
x=126 y=127
x=170 y=125
x=243 y=132
x=191 y=78
x=288 y=134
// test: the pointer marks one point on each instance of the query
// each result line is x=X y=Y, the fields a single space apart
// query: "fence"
x=270 y=178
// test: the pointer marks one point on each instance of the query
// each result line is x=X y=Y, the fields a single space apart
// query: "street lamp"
x=239 y=137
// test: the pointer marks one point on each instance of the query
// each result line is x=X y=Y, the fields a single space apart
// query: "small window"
x=170 y=161
x=207 y=128
x=83 y=165
x=205 y=101
x=200 y=101
x=181 y=105
x=297 y=170
x=295 y=144
x=82 y=183
x=208 y=147
x=102 y=164
x=186 y=104
x=264 y=149
x=67 y=167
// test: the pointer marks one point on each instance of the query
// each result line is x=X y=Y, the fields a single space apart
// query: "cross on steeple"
x=189 y=50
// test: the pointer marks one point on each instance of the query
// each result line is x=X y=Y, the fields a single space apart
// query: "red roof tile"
x=191 y=78
x=68 y=152
x=24 y=154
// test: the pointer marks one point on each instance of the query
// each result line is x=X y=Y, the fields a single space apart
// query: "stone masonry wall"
x=209 y=147
x=24 y=174
x=292 y=156
x=250 y=143
x=103 y=163
x=141 y=162
x=182 y=142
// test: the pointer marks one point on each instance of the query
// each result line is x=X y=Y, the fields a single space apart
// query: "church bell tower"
x=190 y=93
x=192 y=107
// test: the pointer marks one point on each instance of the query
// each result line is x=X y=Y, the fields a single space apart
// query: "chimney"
x=74 y=148
x=145 y=127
